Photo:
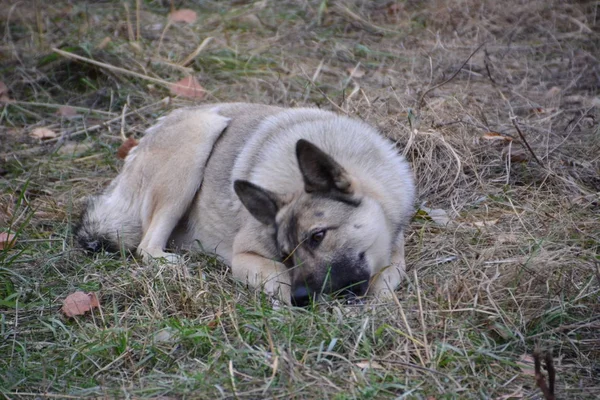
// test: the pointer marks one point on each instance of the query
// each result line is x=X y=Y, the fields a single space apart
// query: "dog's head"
x=332 y=237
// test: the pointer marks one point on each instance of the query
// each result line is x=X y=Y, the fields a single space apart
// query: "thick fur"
x=298 y=202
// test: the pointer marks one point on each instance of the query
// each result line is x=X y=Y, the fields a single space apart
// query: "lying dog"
x=298 y=202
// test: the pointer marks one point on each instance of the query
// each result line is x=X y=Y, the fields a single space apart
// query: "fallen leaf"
x=437 y=215
x=126 y=147
x=43 y=133
x=188 y=87
x=79 y=303
x=369 y=364
x=4 y=93
x=495 y=136
x=183 y=15
x=66 y=111
x=94 y=302
x=7 y=240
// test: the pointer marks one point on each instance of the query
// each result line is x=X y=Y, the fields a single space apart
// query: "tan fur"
x=176 y=189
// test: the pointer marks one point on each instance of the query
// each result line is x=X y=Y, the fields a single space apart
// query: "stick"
x=514 y=121
x=111 y=67
x=419 y=104
x=547 y=390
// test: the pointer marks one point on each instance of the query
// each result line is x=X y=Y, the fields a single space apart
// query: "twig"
x=123 y=137
x=193 y=55
x=547 y=389
x=420 y=103
x=111 y=67
x=514 y=121
x=51 y=105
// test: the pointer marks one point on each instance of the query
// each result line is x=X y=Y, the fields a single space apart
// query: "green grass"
x=516 y=270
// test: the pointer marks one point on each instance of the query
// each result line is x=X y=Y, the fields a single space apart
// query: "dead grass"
x=517 y=269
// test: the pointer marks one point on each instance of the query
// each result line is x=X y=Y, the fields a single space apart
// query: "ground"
x=494 y=103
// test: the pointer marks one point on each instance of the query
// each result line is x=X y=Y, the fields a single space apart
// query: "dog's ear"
x=320 y=171
x=262 y=203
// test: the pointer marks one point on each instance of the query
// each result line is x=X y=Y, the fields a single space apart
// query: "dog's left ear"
x=320 y=171
x=262 y=203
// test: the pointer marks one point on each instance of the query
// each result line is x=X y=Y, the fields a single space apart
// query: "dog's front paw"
x=150 y=256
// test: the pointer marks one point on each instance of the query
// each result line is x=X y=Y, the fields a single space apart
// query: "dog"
x=299 y=202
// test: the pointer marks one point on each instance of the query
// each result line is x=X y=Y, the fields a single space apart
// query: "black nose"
x=301 y=297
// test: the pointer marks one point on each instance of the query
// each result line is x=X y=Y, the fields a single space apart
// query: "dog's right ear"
x=262 y=203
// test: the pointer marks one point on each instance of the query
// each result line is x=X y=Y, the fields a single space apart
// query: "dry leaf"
x=126 y=147
x=66 y=111
x=7 y=240
x=495 y=136
x=188 y=87
x=43 y=133
x=79 y=303
x=183 y=15
x=4 y=93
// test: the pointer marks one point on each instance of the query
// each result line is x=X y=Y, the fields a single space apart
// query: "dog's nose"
x=301 y=297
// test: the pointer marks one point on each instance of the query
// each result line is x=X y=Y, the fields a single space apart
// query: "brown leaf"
x=4 y=93
x=66 y=111
x=183 y=15
x=495 y=136
x=188 y=87
x=43 y=133
x=7 y=240
x=126 y=147
x=79 y=303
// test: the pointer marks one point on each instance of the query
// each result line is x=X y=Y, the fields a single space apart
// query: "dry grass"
x=516 y=270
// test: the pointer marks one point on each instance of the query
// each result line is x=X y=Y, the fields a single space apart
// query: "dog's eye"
x=317 y=237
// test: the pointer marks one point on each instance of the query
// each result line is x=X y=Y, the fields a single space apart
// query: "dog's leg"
x=260 y=272
x=156 y=237
x=388 y=279
x=171 y=169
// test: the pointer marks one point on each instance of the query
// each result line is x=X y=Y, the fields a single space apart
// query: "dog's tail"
x=99 y=230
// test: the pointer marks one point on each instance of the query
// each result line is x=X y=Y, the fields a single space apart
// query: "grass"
x=516 y=270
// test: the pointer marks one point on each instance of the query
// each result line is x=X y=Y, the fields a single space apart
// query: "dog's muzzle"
x=303 y=295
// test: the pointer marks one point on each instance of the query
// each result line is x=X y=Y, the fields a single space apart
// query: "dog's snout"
x=93 y=246
x=301 y=296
